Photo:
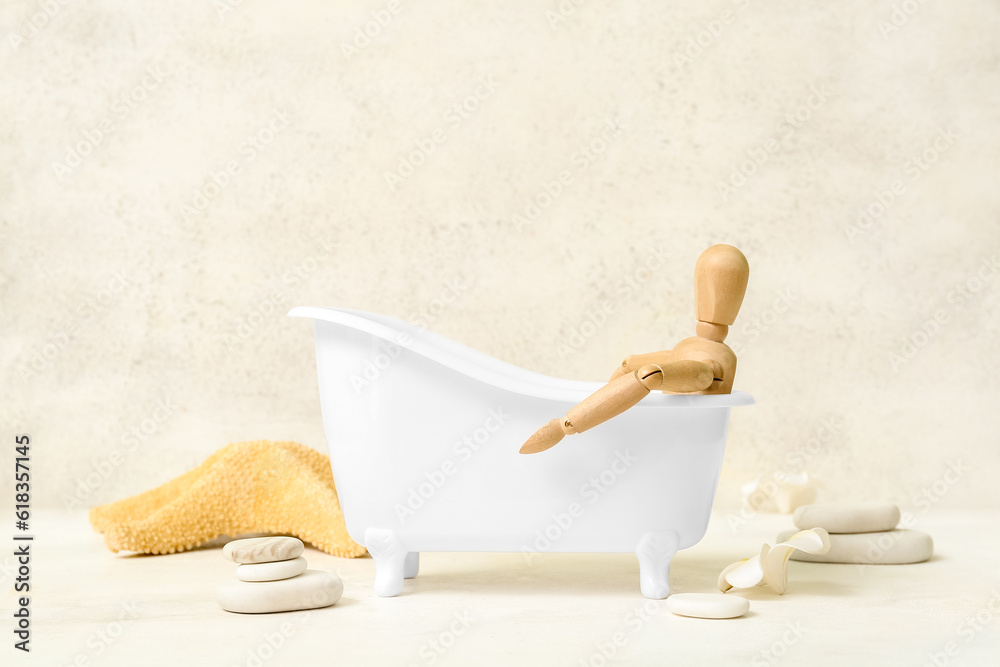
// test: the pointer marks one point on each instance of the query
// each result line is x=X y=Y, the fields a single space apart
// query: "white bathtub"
x=424 y=435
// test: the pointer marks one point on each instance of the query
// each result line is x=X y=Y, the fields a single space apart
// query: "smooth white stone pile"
x=862 y=533
x=272 y=576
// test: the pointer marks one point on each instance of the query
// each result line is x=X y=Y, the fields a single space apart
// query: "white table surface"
x=91 y=607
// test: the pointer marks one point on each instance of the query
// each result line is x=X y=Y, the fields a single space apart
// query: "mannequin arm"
x=618 y=396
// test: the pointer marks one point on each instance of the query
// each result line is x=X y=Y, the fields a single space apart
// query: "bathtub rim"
x=484 y=368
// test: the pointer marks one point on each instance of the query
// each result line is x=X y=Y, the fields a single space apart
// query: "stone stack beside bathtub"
x=862 y=534
x=272 y=576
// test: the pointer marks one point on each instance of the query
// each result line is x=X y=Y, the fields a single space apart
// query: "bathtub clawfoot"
x=391 y=560
x=655 y=551
x=411 y=565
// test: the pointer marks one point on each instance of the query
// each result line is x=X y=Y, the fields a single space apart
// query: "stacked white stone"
x=272 y=577
x=861 y=533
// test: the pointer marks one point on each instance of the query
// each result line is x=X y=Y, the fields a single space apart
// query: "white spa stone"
x=282 y=569
x=310 y=590
x=707 y=605
x=893 y=547
x=848 y=517
x=263 y=549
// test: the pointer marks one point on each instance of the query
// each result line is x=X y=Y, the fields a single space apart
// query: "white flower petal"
x=748 y=573
x=723 y=584
x=813 y=541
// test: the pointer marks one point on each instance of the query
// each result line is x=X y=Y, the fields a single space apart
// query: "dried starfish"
x=245 y=487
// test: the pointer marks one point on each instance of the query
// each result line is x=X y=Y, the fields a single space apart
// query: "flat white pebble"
x=263 y=549
x=708 y=605
x=847 y=517
x=310 y=590
x=275 y=571
x=891 y=547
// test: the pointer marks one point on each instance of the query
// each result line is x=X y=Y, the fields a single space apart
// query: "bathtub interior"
x=467 y=353
x=428 y=447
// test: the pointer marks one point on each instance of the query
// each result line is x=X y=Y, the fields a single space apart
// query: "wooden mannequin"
x=702 y=364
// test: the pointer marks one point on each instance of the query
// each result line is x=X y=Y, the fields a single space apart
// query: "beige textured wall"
x=136 y=294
